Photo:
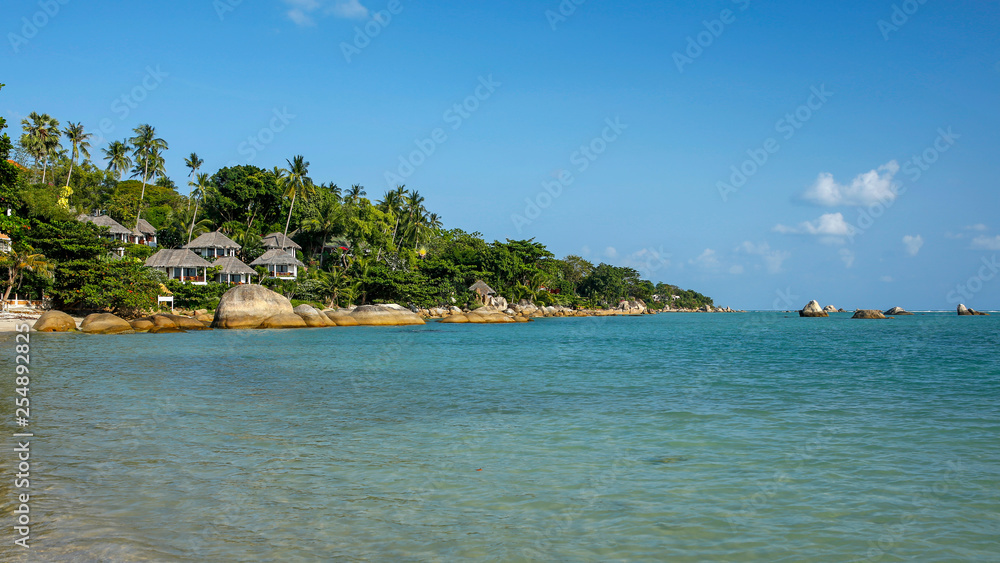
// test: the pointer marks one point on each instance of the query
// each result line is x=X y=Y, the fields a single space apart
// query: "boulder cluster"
x=964 y=311
x=813 y=309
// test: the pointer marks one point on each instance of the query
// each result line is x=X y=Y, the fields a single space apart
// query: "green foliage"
x=42 y=201
x=123 y=286
x=65 y=241
x=190 y=296
x=247 y=195
x=139 y=251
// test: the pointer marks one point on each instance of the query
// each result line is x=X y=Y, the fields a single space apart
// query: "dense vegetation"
x=355 y=250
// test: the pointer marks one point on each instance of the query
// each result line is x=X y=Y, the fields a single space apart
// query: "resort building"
x=281 y=264
x=145 y=233
x=181 y=265
x=213 y=245
x=4 y=243
x=116 y=232
x=234 y=271
x=278 y=241
x=483 y=292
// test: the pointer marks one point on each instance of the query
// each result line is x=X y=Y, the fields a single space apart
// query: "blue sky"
x=866 y=132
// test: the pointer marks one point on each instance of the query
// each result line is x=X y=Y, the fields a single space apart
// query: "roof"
x=276 y=257
x=176 y=258
x=105 y=221
x=3 y=236
x=278 y=240
x=233 y=265
x=145 y=228
x=212 y=240
x=481 y=287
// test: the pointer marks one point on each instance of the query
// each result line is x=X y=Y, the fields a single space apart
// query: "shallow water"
x=756 y=437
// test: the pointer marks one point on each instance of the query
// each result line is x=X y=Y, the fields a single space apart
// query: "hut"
x=145 y=233
x=4 y=243
x=116 y=232
x=278 y=241
x=180 y=264
x=483 y=292
x=281 y=264
x=213 y=245
x=233 y=271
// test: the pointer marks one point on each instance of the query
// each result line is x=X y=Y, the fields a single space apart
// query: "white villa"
x=145 y=233
x=213 y=245
x=233 y=271
x=4 y=243
x=118 y=233
x=180 y=264
x=281 y=264
x=278 y=241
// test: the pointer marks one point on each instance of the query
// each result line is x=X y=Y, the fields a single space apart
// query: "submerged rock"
x=829 y=309
x=812 y=309
x=54 y=321
x=105 y=323
x=868 y=314
x=248 y=306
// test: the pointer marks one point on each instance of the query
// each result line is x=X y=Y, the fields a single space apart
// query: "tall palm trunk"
x=70 y=175
x=289 y=220
x=193 y=217
x=145 y=176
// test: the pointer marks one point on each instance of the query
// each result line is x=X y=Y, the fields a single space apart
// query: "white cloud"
x=349 y=9
x=706 y=260
x=736 y=270
x=886 y=279
x=610 y=252
x=301 y=11
x=773 y=259
x=984 y=242
x=831 y=226
x=585 y=251
x=648 y=261
x=847 y=257
x=977 y=227
x=913 y=244
x=866 y=189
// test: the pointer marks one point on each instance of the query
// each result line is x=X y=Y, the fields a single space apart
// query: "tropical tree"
x=198 y=192
x=296 y=183
x=81 y=145
x=117 y=155
x=355 y=194
x=194 y=163
x=41 y=137
x=21 y=260
x=147 y=150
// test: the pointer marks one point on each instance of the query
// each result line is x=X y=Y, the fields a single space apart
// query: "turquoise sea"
x=677 y=437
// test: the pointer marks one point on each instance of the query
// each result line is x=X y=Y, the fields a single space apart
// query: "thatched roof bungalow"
x=212 y=245
x=481 y=289
x=180 y=264
x=282 y=264
x=233 y=271
x=278 y=241
x=116 y=232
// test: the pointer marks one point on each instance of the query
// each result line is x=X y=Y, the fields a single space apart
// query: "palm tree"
x=392 y=202
x=329 y=216
x=199 y=190
x=17 y=262
x=356 y=192
x=41 y=137
x=297 y=183
x=148 y=160
x=194 y=163
x=81 y=145
x=415 y=217
x=118 y=158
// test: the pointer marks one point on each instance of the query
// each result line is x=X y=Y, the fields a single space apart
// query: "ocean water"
x=680 y=437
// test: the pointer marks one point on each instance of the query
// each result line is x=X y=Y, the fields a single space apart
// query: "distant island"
x=117 y=236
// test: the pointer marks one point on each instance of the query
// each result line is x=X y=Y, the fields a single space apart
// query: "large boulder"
x=897 y=312
x=385 y=315
x=488 y=315
x=813 y=310
x=54 y=321
x=312 y=317
x=868 y=314
x=248 y=306
x=459 y=318
x=163 y=320
x=284 y=320
x=105 y=323
x=144 y=324
x=341 y=317
x=964 y=311
x=829 y=309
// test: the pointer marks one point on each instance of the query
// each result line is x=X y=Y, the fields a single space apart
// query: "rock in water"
x=284 y=320
x=105 y=323
x=380 y=315
x=312 y=317
x=455 y=319
x=248 y=306
x=829 y=309
x=144 y=324
x=897 y=312
x=813 y=310
x=54 y=321
x=868 y=314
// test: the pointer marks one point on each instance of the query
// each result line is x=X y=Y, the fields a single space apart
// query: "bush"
x=190 y=296
x=124 y=286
